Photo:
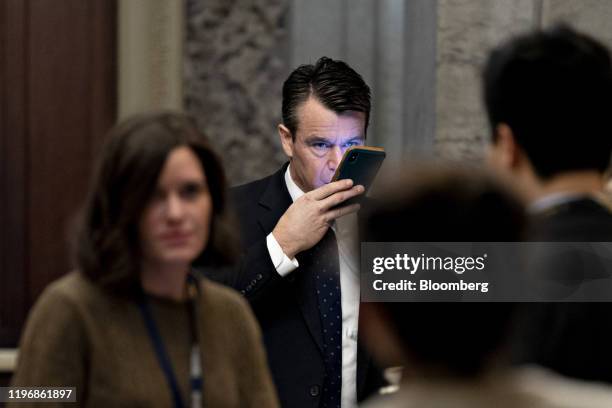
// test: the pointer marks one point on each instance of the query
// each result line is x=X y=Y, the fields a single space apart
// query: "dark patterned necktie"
x=327 y=275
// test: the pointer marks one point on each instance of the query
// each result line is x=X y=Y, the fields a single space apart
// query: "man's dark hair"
x=336 y=85
x=553 y=88
x=447 y=204
x=107 y=242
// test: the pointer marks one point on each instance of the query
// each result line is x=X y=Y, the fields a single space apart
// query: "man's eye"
x=352 y=143
x=320 y=146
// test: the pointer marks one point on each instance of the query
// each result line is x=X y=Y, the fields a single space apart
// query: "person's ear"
x=286 y=140
x=505 y=152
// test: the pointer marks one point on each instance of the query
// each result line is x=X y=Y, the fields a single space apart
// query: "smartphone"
x=360 y=164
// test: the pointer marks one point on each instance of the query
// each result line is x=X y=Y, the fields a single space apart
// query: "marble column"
x=235 y=61
x=467 y=30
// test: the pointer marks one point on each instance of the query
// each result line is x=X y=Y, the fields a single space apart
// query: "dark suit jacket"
x=574 y=339
x=286 y=307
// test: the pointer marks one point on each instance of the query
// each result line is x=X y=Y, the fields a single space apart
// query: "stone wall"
x=467 y=30
x=235 y=64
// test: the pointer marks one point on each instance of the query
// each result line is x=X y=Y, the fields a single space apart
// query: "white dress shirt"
x=345 y=229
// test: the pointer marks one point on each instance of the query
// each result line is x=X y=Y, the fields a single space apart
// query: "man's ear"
x=286 y=140
x=505 y=151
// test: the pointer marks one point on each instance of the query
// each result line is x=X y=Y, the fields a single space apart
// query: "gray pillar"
x=236 y=59
x=467 y=30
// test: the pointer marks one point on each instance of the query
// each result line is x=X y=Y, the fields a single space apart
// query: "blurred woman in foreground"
x=134 y=326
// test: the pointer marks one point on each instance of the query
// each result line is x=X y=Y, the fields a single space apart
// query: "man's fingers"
x=331 y=188
x=341 y=212
x=340 y=197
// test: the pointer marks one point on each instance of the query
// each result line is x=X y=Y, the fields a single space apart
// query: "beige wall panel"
x=150 y=55
x=590 y=16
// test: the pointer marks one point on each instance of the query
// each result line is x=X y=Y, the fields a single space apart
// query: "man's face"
x=321 y=138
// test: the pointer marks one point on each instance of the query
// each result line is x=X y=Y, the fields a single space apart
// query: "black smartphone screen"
x=360 y=164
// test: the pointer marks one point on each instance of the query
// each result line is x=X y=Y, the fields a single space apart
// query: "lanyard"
x=164 y=359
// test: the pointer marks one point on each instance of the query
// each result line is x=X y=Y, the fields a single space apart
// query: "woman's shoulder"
x=73 y=291
x=59 y=309
x=217 y=292
x=73 y=287
x=225 y=301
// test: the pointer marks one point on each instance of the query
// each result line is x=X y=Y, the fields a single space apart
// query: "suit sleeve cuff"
x=282 y=263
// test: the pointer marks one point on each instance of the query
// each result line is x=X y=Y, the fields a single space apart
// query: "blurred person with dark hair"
x=300 y=265
x=548 y=96
x=134 y=326
x=456 y=355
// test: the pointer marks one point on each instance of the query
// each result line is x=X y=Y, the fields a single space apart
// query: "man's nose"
x=334 y=158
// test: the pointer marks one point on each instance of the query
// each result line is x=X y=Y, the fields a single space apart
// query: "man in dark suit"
x=300 y=264
x=549 y=98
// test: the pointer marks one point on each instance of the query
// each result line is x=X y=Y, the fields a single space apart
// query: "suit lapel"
x=272 y=205
x=274 y=201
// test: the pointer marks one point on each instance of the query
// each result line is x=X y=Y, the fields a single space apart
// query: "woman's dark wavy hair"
x=107 y=248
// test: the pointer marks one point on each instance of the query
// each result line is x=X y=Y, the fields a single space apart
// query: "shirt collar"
x=294 y=191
